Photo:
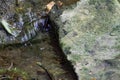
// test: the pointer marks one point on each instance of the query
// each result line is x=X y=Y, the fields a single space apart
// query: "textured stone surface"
x=89 y=36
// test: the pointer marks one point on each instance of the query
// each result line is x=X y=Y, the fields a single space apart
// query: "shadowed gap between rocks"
x=54 y=36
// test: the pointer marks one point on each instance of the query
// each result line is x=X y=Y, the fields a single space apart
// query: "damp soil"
x=46 y=51
x=39 y=59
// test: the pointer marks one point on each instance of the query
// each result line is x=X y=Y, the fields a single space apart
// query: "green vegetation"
x=13 y=74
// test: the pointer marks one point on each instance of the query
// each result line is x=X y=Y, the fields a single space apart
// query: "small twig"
x=4 y=78
x=10 y=67
x=47 y=72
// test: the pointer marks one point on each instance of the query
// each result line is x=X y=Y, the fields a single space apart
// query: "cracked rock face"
x=89 y=36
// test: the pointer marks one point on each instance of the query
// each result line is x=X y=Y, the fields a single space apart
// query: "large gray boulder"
x=89 y=36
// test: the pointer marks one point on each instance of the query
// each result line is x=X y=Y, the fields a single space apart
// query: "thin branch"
x=47 y=72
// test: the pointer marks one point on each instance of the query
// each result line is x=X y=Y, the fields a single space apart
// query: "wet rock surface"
x=21 y=20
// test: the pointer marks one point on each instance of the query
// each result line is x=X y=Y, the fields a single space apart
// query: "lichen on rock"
x=89 y=35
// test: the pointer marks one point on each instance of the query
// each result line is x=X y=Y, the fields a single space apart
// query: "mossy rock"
x=97 y=25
